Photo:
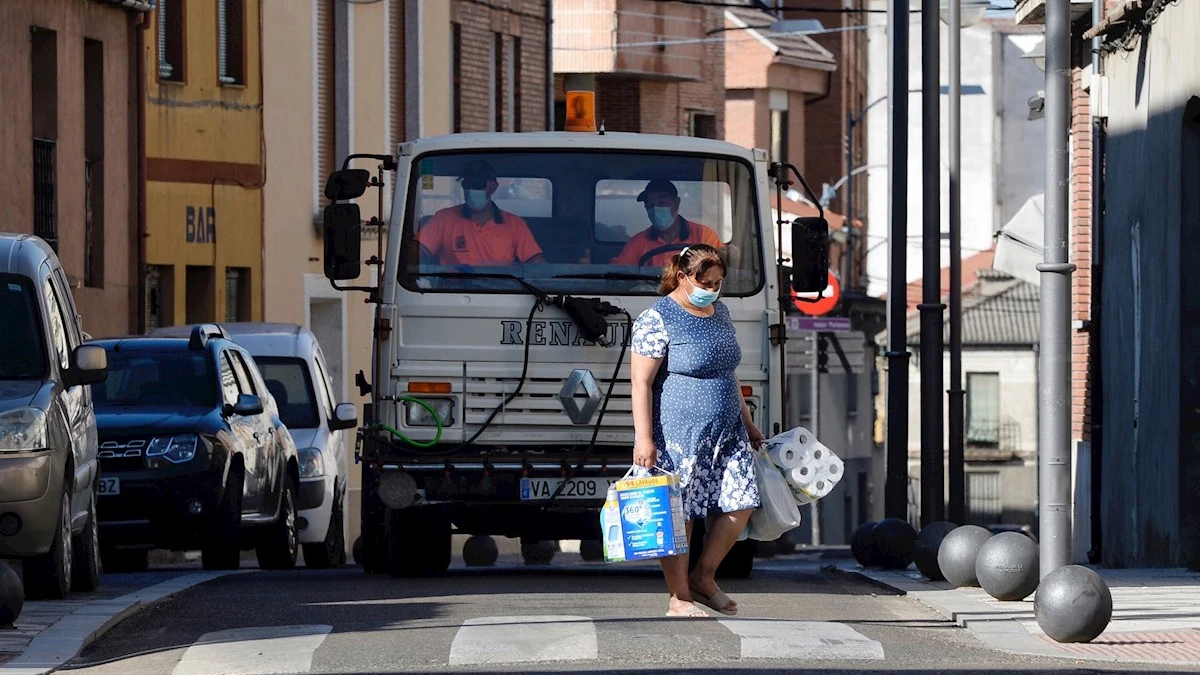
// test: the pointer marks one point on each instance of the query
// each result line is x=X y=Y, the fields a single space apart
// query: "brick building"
x=659 y=67
x=69 y=140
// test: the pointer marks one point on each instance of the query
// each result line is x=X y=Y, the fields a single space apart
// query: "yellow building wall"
x=204 y=163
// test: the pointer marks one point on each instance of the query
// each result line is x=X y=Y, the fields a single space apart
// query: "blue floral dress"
x=698 y=428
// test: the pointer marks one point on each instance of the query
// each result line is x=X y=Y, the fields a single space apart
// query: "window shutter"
x=326 y=112
x=397 y=65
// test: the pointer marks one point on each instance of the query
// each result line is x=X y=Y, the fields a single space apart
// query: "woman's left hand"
x=756 y=437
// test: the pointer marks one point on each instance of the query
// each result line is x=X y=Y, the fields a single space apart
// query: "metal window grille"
x=45 y=220
x=90 y=169
x=165 y=69
x=984 y=502
x=154 y=297
x=223 y=42
x=233 y=294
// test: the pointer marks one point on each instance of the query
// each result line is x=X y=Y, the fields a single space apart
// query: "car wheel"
x=48 y=576
x=86 y=546
x=326 y=554
x=418 y=543
x=279 y=546
x=115 y=561
x=222 y=549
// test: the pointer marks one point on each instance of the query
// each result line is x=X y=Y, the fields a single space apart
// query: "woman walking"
x=690 y=419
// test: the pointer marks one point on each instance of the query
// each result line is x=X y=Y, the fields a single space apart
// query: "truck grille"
x=538 y=406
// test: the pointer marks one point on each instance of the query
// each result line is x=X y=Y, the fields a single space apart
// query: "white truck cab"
x=500 y=385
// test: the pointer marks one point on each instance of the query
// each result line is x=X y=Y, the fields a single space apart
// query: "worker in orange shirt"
x=667 y=229
x=477 y=232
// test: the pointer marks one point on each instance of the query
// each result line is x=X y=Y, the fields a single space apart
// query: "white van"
x=290 y=360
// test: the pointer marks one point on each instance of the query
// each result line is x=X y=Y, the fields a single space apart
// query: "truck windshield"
x=22 y=351
x=575 y=221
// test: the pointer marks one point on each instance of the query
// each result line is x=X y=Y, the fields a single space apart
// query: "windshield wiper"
x=621 y=276
x=534 y=290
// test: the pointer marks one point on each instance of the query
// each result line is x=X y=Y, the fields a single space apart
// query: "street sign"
x=830 y=298
x=842 y=353
x=831 y=324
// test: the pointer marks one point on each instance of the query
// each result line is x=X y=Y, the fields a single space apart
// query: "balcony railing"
x=45 y=217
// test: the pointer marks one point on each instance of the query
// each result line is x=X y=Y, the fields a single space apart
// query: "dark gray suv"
x=48 y=467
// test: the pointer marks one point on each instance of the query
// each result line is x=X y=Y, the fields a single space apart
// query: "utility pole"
x=957 y=395
x=814 y=424
x=896 y=485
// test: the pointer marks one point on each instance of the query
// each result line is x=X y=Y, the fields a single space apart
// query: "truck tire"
x=279 y=546
x=221 y=549
x=739 y=562
x=86 y=566
x=48 y=576
x=373 y=537
x=323 y=555
x=418 y=543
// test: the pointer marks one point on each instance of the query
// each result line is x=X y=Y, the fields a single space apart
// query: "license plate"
x=110 y=486
x=577 y=488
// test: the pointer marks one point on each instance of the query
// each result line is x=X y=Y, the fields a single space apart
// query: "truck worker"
x=667 y=228
x=477 y=232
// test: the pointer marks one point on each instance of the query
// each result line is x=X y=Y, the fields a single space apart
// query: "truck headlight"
x=417 y=416
x=22 y=430
x=174 y=449
x=312 y=465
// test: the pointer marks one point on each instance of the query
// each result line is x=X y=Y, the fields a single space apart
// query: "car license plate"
x=110 y=486
x=577 y=488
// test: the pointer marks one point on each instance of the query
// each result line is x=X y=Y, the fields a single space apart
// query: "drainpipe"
x=549 y=65
x=1099 y=137
x=139 y=104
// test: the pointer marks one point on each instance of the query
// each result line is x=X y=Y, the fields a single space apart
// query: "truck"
x=499 y=395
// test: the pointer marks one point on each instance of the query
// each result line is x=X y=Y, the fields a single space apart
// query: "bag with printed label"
x=642 y=518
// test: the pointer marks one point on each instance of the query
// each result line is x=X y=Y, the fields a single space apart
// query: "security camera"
x=1037 y=106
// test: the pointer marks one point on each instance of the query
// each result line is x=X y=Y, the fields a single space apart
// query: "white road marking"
x=524 y=639
x=787 y=639
x=266 y=650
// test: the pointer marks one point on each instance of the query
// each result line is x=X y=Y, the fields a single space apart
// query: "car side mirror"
x=247 y=405
x=810 y=254
x=89 y=365
x=343 y=241
x=345 y=416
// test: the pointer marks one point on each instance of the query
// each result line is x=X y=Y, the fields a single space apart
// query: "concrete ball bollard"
x=12 y=595
x=1007 y=566
x=925 y=552
x=480 y=550
x=591 y=550
x=957 y=554
x=1073 y=604
x=893 y=541
x=861 y=545
x=540 y=553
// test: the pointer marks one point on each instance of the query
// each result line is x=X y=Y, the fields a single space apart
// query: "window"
x=200 y=294
x=984 y=502
x=22 y=353
x=231 y=41
x=456 y=79
x=171 y=40
x=703 y=125
x=496 y=82
x=290 y=384
x=230 y=387
x=175 y=380
x=93 y=163
x=245 y=380
x=44 y=57
x=58 y=328
x=237 y=294
x=619 y=215
x=326 y=94
x=779 y=136
x=325 y=384
x=160 y=296
x=983 y=408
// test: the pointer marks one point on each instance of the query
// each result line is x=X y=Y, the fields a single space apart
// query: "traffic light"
x=822 y=353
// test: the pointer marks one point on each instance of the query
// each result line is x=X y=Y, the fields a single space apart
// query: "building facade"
x=204 y=169
x=69 y=145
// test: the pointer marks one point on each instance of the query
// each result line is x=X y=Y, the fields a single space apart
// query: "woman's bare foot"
x=685 y=609
x=707 y=592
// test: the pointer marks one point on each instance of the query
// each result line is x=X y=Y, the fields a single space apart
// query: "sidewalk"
x=1156 y=615
x=47 y=634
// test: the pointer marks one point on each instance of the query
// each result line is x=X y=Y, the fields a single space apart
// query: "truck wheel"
x=116 y=561
x=221 y=549
x=374 y=541
x=418 y=543
x=48 y=576
x=326 y=554
x=739 y=562
x=279 y=545
x=86 y=566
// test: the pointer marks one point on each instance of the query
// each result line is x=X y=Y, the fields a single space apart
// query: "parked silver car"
x=48 y=467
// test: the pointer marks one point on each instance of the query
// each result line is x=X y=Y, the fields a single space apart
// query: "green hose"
x=437 y=419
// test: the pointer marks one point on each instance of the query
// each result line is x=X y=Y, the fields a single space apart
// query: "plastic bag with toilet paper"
x=778 y=513
x=810 y=469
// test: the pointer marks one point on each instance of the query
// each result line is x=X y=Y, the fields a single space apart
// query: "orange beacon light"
x=581 y=111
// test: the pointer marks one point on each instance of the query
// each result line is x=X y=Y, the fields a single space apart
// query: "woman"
x=690 y=419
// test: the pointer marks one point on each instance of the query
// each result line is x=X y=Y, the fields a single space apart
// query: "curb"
x=68 y=636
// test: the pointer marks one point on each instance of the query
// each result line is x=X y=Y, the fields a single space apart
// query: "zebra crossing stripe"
x=253 y=651
x=524 y=639
x=788 y=639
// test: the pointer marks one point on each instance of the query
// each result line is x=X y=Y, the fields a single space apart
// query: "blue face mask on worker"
x=701 y=297
x=477 y=200
x=661 y=217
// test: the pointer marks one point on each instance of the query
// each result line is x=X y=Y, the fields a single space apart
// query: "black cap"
x=658 y=185
x=480 y=170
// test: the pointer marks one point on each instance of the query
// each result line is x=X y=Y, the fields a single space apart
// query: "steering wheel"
x=677 y=246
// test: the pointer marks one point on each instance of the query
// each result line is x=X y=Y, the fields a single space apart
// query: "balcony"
x=643 y=38
x=1033 y=12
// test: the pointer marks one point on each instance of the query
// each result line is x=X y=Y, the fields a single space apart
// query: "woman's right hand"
x=645 y=454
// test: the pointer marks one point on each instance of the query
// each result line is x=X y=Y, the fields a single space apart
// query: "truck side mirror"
x=810 y=254
x=343 y=241
x=347 y=184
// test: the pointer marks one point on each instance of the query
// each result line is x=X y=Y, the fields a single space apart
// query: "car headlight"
x=22 y=430
x=312 y=465
x=175 y=449
x=417 y=416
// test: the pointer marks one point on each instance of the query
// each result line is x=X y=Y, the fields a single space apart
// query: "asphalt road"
x=567 y=618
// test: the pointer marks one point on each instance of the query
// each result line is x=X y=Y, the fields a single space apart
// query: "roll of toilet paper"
x=801 y=476
x=819 y=489
x=787 y=456
x=833 y=468
x=801 y=498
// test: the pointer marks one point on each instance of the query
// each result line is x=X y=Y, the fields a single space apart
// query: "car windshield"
x=575 y=221
x=289 y=382
x=22 y=346
x=178 y=379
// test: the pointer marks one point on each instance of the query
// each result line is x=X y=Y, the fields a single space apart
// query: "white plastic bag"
x=778 y=513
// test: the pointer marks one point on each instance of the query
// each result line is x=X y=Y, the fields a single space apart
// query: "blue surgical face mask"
x=662 y=217
x=477 y=200
x=702 y=297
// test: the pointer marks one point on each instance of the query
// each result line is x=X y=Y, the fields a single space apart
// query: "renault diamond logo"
x=580 y=396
